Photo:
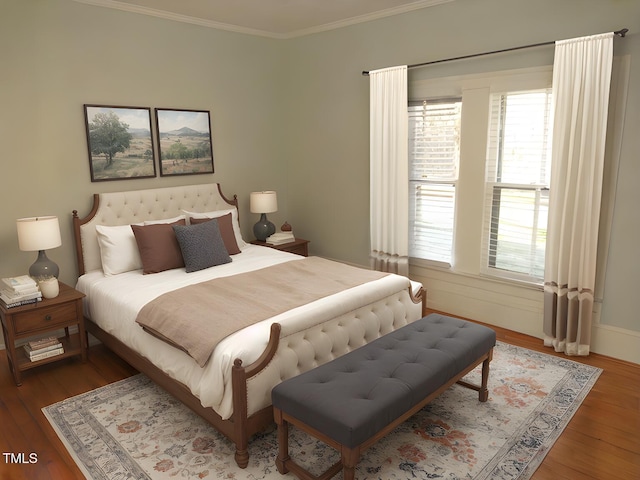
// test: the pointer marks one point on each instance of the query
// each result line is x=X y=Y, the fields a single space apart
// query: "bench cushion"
x=356 y=395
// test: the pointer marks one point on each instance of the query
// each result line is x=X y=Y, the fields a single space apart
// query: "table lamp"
x=263 y=203
x=40 y=234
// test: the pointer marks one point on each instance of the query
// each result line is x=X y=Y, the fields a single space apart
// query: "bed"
x=232 y=389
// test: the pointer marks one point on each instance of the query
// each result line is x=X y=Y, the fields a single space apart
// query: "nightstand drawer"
x=45 y=317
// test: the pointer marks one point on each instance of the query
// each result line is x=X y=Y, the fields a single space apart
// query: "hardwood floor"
x=25 y=428
x=602 y=441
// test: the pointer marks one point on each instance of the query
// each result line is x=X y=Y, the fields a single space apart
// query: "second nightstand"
x=299 y=246
x=39 y=319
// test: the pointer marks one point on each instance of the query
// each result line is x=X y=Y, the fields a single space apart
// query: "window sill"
x=446 y=267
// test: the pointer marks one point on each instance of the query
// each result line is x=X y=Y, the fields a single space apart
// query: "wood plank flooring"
x=602 y=441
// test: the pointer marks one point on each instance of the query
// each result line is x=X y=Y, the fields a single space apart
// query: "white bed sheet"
x=113 y=303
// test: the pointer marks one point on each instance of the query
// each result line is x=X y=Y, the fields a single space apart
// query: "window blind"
x=434 y=156
x=517 y=186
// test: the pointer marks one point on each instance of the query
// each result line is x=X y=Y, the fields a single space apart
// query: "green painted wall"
x=289 y=115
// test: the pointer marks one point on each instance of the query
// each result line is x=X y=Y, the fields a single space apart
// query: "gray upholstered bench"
x=354 y=400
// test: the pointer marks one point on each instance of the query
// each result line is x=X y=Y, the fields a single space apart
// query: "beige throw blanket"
x=197 y=317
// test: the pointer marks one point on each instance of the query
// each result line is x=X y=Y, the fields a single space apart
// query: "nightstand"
x=40 y=320
x=299 y=246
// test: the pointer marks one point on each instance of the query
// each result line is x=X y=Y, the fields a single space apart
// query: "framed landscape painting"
x=119 y=141
x=184 y=141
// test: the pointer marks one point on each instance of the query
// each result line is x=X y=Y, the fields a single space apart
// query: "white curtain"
x=581 y=81
x=389 y=182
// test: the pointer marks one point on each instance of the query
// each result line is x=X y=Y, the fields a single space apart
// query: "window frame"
x=475 y=91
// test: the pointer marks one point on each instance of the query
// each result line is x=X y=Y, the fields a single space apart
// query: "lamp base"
x=263 y=228
x=43 y=267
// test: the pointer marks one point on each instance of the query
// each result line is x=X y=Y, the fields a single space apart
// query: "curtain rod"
x=619 y=33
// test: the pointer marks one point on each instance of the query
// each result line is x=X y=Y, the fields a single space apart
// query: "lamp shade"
x=263 y=202
x=38 y=233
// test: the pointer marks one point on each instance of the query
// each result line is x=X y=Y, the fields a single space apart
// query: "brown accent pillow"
x=226 y=230
x=158 y=247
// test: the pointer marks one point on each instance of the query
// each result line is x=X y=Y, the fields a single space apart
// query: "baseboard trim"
x=515 y=308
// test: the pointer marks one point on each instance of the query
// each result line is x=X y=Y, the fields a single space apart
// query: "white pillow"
x=118 y=249
x=219 y=213
x=166 y=220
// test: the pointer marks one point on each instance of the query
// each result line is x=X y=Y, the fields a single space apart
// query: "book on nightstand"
x=46 y=354
x=10 y=299
x=17 y=291
x=19 y=303
x=280 y=238
x=21 y=283
x=43 y=348
x=37 y=351
x=42 y=342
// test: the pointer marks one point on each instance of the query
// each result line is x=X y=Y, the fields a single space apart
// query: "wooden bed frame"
x=241 y=426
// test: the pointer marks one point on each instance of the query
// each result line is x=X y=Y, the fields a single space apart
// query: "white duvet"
x=113 y=303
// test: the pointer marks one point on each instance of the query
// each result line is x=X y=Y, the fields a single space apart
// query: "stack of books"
x=280 y=238
x=22 y=290
x=43 y=348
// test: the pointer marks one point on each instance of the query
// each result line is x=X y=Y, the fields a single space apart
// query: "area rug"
x=133 y=429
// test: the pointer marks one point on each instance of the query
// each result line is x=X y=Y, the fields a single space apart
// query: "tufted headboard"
x=124 y=208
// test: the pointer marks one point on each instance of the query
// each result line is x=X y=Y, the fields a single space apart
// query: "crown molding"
x=366 y=18
x=152 y=12
x=127 y=7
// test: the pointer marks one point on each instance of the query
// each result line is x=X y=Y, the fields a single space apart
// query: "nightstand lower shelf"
x=72 y=347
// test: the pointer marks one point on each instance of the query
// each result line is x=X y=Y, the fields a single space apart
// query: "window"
x=494 y=209
x=434 y=157
x=479 y=153
x=517 y=184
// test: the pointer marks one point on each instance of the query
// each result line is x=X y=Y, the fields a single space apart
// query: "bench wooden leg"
x=483 y=393
x=350 y=458
x=285 y=464
x=283 y=441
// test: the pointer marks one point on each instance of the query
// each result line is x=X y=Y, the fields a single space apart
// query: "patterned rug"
x=132 y=429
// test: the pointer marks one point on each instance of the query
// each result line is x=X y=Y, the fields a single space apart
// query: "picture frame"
x=120 y=142
x=184 y=142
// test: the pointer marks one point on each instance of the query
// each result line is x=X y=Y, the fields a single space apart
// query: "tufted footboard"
x=290 y=353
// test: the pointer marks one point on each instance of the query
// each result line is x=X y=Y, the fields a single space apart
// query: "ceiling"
x=269 y=18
